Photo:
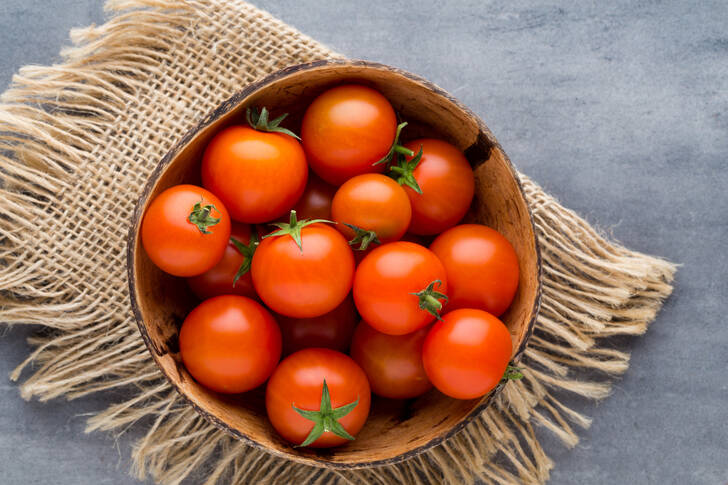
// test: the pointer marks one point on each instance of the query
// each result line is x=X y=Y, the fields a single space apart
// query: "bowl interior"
x=395 y=430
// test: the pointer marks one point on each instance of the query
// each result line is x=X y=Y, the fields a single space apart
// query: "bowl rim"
x=222 y=109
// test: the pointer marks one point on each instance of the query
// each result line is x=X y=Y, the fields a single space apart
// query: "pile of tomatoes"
x=341 y=241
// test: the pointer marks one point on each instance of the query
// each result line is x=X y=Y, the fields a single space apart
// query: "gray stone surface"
x=619 y=108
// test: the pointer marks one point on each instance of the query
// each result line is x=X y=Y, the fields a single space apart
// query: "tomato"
x=185 y=230
x=221 y=279
x=230 y=344
x=331 y=330
x=303 y=270
x=392 y=363
x=318 y=382
x=482 y=268
x=399 y=287
x=346 y=130
x=376 y=205
x=315 y=203
x=466 y=354
x=446 y=181
x=258 y=175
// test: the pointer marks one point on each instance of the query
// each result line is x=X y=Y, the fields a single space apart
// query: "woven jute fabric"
x=77 y=143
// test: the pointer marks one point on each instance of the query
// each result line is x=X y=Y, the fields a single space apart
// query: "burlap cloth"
x=78 y=141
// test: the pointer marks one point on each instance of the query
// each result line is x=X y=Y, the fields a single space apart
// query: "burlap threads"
x=78 y=140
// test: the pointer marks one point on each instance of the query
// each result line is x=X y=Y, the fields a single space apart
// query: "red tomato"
x=307 y=279
x=315 y=203
x=392 y=363
x=399 y=287
x=481 y=265
x=258 y=175
x=298 y=382
x=447 y=183
x=466 y=354
x=374 y=204
x=185 y=230
x=332 y=330
x=219 y=280
x=346 y=130
x=230 y=344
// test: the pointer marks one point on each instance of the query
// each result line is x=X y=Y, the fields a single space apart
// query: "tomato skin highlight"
x=298 y=380
x=230 y=344
x=448 y=185
x=315 y=203
x=466 y=354
x=385 y=280
x=219 y=279
x=176 y=245
x=373 y=202
x=392 y=363
x=331 y=330
x=482 y=268
x=346 y=130
x=308 y=282
x=258 y=175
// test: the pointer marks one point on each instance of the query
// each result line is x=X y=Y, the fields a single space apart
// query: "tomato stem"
x=293 y=228
x=430 y=299
x=362 y=237
x=404 y=171
x=259 y=121
x=326 y=418
x=201 y=216
x=512 y=373
x=246 y=250
x=395 y=148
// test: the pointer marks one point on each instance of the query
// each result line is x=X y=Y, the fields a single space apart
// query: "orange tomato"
x=481 y=265
x=220 y=280
x=230 y=344
x=372 y=202
x=466 y=354
x=185 y=230
x=258 y=175
x=392 y=363
x=346 y=130
x=447 y=183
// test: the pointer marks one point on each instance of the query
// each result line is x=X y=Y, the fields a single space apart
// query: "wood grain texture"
x=396 y=430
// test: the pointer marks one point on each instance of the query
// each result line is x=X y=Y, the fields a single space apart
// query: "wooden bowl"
x=395 y=430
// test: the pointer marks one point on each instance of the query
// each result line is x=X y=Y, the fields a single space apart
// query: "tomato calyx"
x=512 y=373
x=293 y=228
x=430 y=299
x=403 y=171
x=259 y=121
x=362 y=237
x=326 y=418
x=201 y=216
x=246 y=250
x=396 y=148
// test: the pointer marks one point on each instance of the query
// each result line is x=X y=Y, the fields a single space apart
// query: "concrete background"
x=620 y=109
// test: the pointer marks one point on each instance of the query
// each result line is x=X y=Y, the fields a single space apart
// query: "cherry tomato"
x=185 y=230
x=466 y=354
x=298 y=382
x=332 y=330
x=303 y=270
x=447 y=183
x=399 y=287
x=230 y=344
x=258 y=175
x=481 y=265
x=392 y=363
x=376 y=205
x=221 y=279
x=346 y=130
x=315 y=203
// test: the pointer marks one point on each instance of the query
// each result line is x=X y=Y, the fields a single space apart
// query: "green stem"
x=326 y=418
x=246 y=250
x=293 y=228
x=395 y=148
x=404 y=171
x=362 y=237
x=429 y=299
x=201 y=216
x=259 y=121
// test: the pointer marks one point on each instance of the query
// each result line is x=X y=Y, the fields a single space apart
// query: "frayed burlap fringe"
x=77 y=141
